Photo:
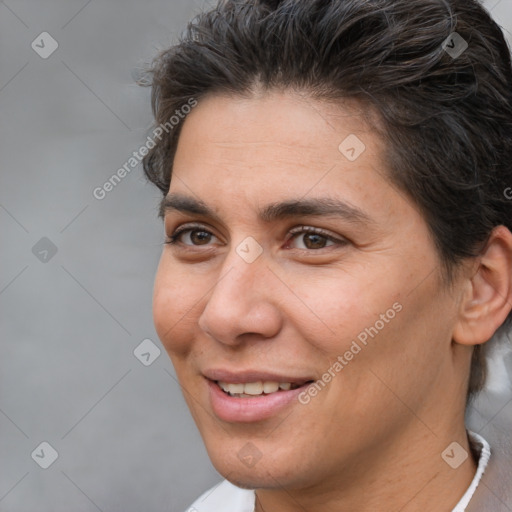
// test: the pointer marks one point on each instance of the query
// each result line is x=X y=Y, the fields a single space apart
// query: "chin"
x=249 y=480
x=279 y=470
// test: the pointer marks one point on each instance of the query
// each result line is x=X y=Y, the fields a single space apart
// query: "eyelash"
x=173 y=239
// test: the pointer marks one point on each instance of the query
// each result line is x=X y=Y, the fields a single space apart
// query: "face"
x=322 y=323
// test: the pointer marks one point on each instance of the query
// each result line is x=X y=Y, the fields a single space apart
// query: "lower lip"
x=246 y=410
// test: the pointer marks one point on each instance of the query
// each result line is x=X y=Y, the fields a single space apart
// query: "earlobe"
x=487 y=299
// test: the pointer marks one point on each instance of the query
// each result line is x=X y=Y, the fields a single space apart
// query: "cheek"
x=375 y=319
x=338 y=305
x=174 y=305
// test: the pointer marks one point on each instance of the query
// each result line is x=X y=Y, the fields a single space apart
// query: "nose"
x=243 y=302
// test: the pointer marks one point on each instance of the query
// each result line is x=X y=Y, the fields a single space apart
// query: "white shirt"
x=226 y=497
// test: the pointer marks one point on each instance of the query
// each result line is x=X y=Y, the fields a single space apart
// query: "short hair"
x=446 y=118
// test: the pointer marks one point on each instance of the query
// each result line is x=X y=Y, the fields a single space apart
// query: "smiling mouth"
x=259 y=388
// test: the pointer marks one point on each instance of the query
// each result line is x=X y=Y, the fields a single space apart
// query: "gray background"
x=69 y=322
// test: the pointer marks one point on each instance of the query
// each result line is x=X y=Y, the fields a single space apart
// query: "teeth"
x=255 y=388
x=270 y=387
x=233 y=388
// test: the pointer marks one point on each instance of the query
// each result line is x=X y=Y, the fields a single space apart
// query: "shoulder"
x=226 y=497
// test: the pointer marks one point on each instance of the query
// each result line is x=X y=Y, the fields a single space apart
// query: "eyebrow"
x=320 y=206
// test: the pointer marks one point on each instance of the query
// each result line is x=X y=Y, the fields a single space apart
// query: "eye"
x=196 y=234
x=314 y=238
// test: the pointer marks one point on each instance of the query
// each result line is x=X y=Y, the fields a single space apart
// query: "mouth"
x=258 y=388
x=250 y=396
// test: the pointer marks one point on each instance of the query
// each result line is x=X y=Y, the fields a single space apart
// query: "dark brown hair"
x=447 y=120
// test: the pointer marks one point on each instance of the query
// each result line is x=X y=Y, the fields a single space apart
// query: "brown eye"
x=199 y=237
x=314 y=238
x=190 y=236
x=314 y=241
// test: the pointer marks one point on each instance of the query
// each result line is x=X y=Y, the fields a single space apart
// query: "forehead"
x=284 y=118
x=245 y=153
x=277 y=133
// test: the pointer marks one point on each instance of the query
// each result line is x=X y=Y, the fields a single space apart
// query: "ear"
x=487 y=300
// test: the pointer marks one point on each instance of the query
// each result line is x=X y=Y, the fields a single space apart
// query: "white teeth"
x=234 y=388
x=255 y=388
x=270 y=387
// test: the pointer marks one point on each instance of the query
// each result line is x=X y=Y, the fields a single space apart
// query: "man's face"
x=243 y=299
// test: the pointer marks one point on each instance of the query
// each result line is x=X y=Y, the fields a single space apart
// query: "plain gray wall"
x=70 y=323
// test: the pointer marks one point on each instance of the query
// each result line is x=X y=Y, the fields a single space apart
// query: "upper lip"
x=244 y=376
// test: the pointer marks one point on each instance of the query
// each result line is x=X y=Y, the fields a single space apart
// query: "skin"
x=372 y=438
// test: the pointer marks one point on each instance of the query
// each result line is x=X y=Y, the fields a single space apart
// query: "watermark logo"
x=454 y=455
x=454 y=45
x=44 y=455
x=352 y=147
x=44 y=45
x=249 y=455
x=147 y=352
x=44 y=250
x=249 y=249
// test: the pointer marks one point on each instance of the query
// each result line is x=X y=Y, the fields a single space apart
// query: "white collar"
x=226 y=496
x=482 y=448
